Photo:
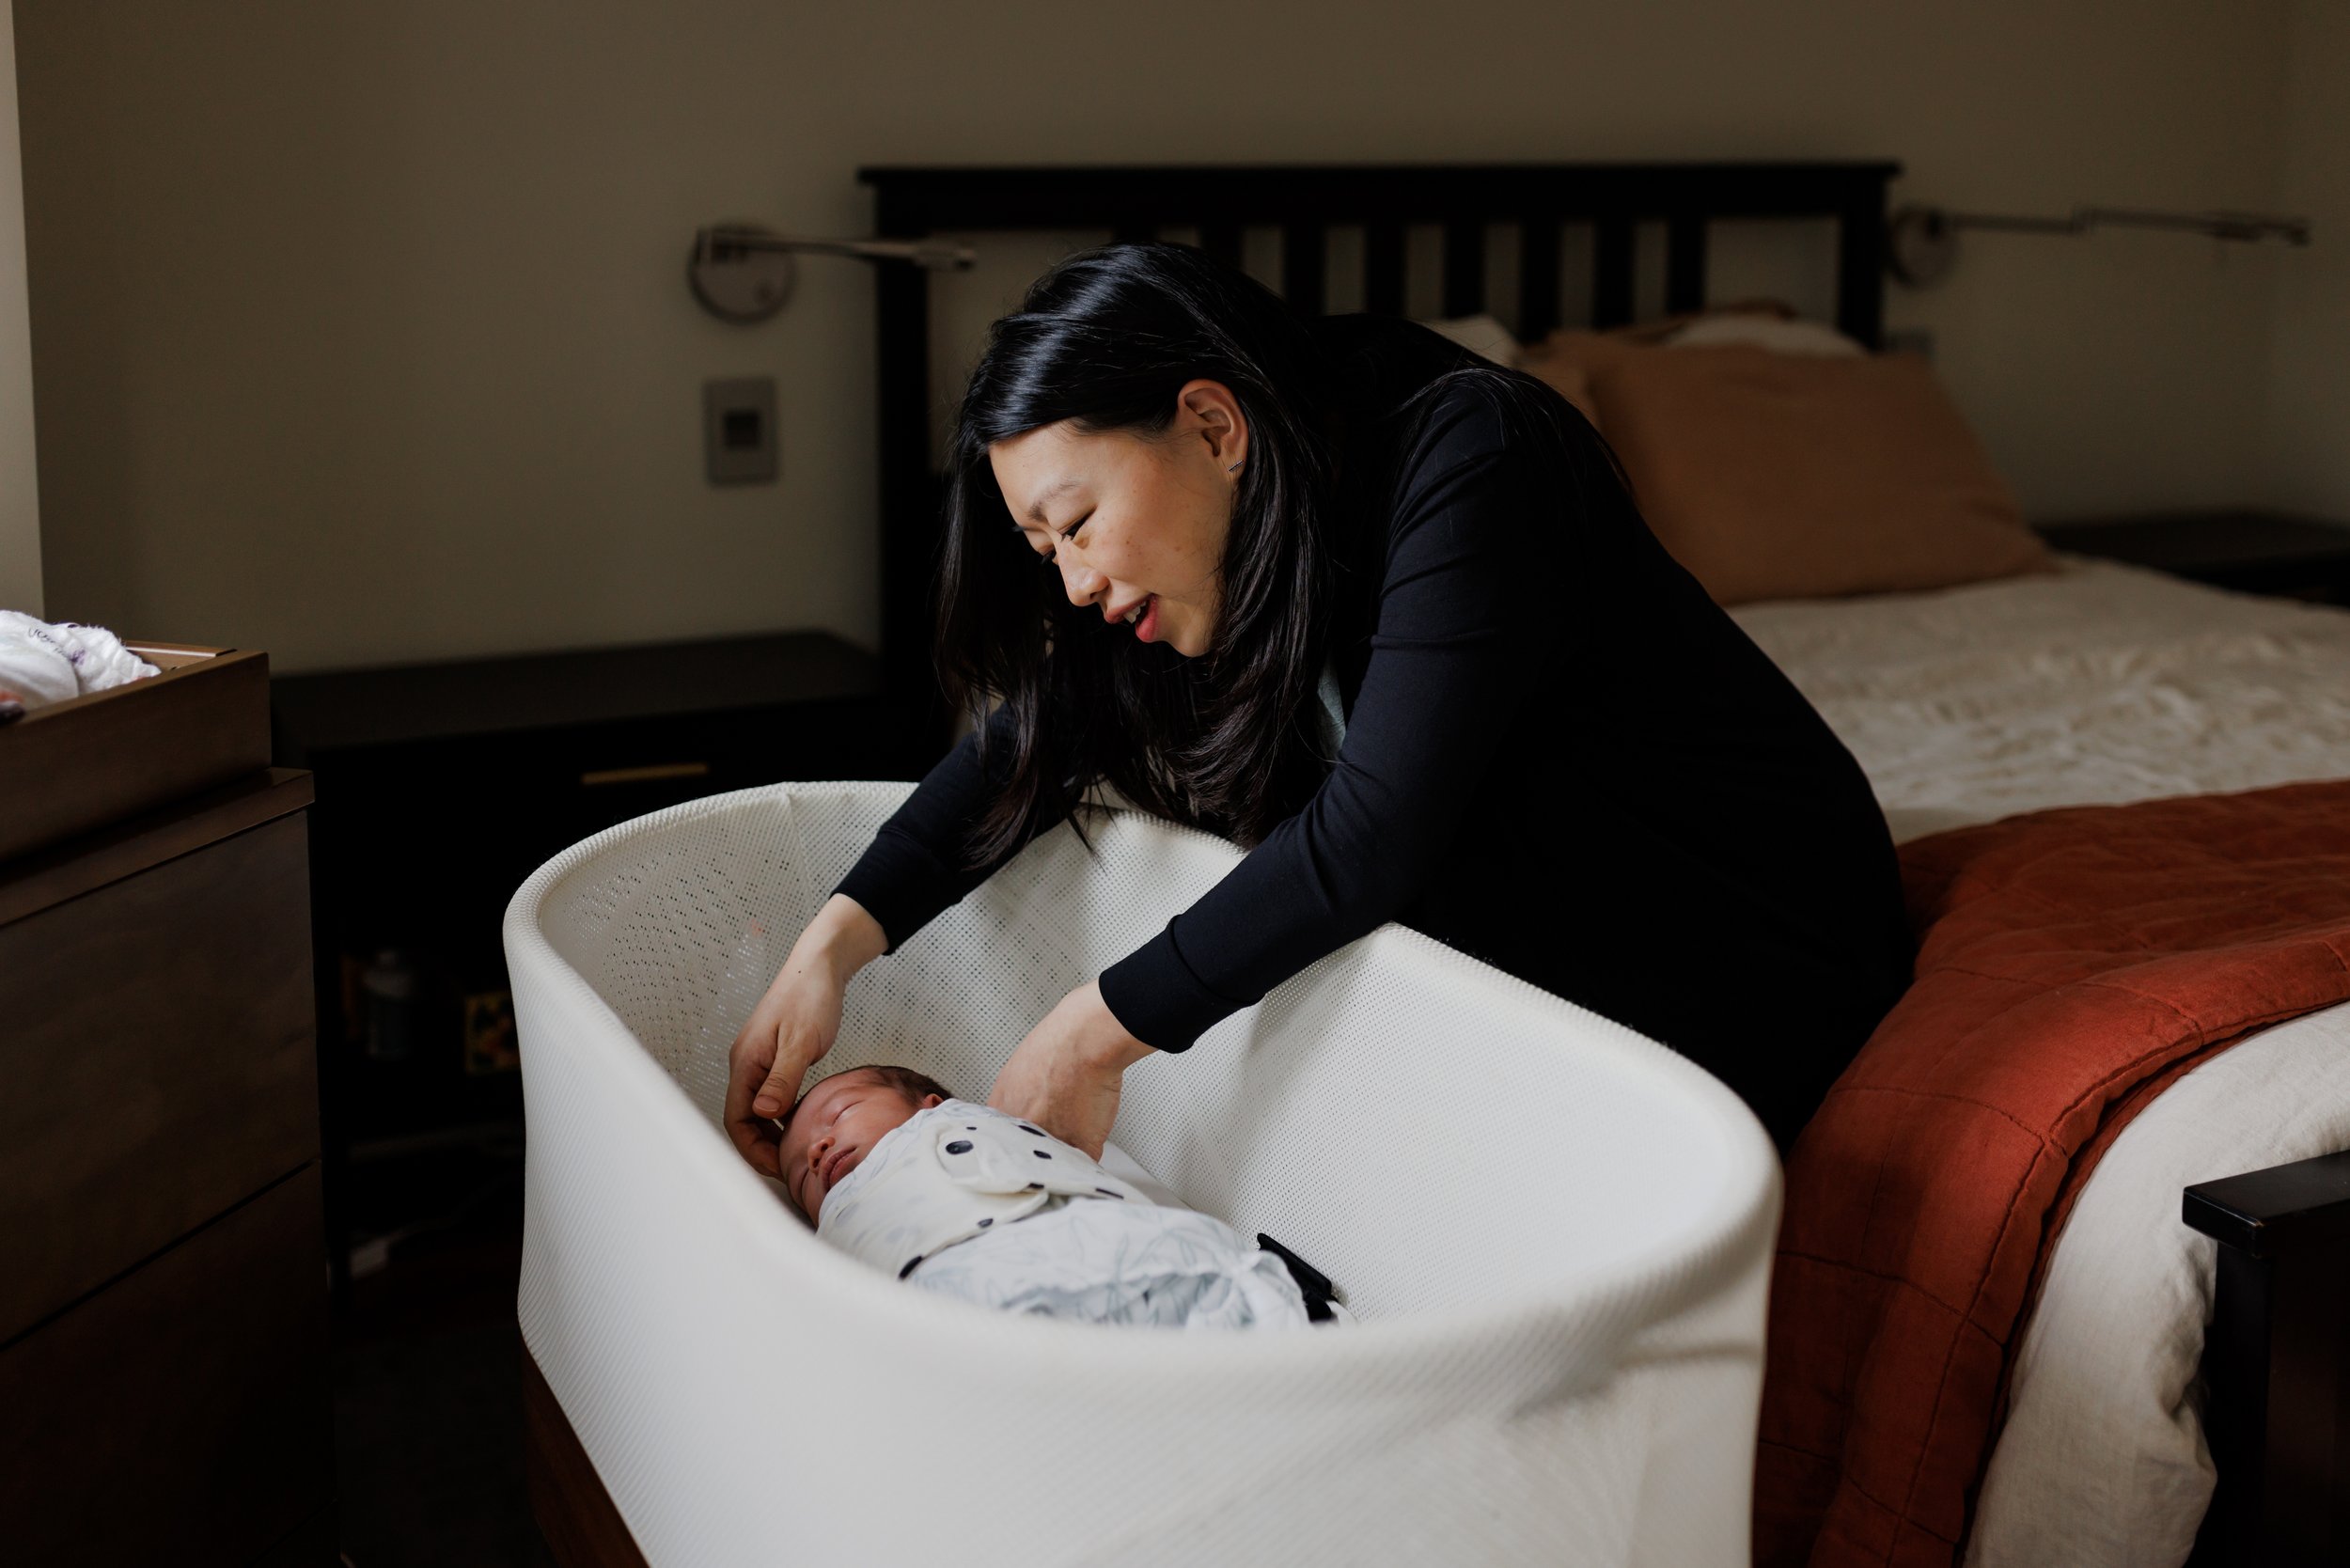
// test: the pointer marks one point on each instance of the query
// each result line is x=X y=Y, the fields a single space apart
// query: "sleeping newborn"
x=970 y=1203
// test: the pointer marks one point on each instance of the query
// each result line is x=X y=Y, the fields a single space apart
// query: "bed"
x=2092 y=685
x=2099 y=684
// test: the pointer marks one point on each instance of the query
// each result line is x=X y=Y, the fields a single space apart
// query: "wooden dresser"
x=164 y=1390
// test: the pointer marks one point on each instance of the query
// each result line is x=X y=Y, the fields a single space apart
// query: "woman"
x=1384 y=613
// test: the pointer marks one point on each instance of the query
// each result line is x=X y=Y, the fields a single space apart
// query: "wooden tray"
x=83 y=764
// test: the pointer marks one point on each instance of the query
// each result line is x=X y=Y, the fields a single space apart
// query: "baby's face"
x=836 y=1126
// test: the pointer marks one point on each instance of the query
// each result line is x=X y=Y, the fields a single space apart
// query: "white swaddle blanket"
x=41 y=664
x=973 y=1203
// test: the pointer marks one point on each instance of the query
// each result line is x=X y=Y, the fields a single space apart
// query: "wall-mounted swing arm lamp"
x=743 y=273
x=1923 y=240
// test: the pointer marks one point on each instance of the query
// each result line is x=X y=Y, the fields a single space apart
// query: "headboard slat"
x=1382 y=267
x=1684 y=262
x=1463 y=267
x=1538 y=278
x=1612 y=271
x=909 y=493
x=1303 y=267
x=1860 y=272
x=1221 y=240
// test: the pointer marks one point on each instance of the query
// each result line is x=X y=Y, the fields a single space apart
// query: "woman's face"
x=1134 y=526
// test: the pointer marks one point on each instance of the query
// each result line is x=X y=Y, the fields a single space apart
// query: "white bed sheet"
x=2098 y=684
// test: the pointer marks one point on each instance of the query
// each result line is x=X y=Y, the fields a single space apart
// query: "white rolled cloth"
x=42 y=663
x=36 y=673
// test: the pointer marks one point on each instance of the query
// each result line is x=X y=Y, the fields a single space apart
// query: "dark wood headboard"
x=1305 y=203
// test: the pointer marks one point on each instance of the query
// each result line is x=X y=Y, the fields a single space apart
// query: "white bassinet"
x=1556 y=1233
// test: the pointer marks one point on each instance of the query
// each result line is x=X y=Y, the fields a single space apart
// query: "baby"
x=970 y=1203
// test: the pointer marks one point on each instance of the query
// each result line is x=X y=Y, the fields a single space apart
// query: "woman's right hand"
x=793 y=1026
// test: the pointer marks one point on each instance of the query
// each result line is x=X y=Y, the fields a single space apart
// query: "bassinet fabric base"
x=1555 y=1233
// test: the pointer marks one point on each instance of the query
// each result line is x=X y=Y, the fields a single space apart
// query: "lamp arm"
x=1922 y=240
x=2220 y=225
x=722 y=242
x=743 y=273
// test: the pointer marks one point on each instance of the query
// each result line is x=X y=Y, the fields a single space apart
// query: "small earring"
x=1235 y=466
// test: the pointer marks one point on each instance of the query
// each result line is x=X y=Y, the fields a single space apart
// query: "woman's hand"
x=795 y=1024
x=1065 y=1076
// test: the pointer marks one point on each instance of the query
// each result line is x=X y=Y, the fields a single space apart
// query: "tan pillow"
x=1784 y=476
x=1560 y=358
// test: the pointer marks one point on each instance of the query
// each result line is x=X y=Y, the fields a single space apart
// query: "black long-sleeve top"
x=1560 y=756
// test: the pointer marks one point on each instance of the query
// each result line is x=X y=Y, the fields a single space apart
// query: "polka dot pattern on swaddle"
x=946 y=1174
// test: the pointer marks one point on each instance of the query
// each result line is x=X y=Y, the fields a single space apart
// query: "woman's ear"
x=1206 y=411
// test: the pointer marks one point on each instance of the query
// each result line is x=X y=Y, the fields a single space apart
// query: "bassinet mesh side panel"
x=1559 y=1231
x=669 y=919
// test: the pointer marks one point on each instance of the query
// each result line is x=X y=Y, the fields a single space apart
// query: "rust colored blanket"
x=2072 y=963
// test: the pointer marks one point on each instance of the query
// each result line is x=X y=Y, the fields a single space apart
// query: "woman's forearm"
x=843 y=938
x=916 y=865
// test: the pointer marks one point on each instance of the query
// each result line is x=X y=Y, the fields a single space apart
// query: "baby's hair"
x=904 y=1080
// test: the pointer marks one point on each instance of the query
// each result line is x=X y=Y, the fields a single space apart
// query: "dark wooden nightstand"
x=2255 y=551
x=440 y=788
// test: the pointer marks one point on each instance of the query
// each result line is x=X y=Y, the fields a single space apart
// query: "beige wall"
x=19 y=502
x=360 y=331
x=2307 y=428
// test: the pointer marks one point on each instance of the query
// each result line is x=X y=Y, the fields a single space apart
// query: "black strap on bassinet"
x=1312 y=1284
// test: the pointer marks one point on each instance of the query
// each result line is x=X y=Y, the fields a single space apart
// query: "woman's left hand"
x=1065 y=1076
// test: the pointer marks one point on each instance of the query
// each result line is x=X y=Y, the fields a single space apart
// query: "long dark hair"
x=1105 y=339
